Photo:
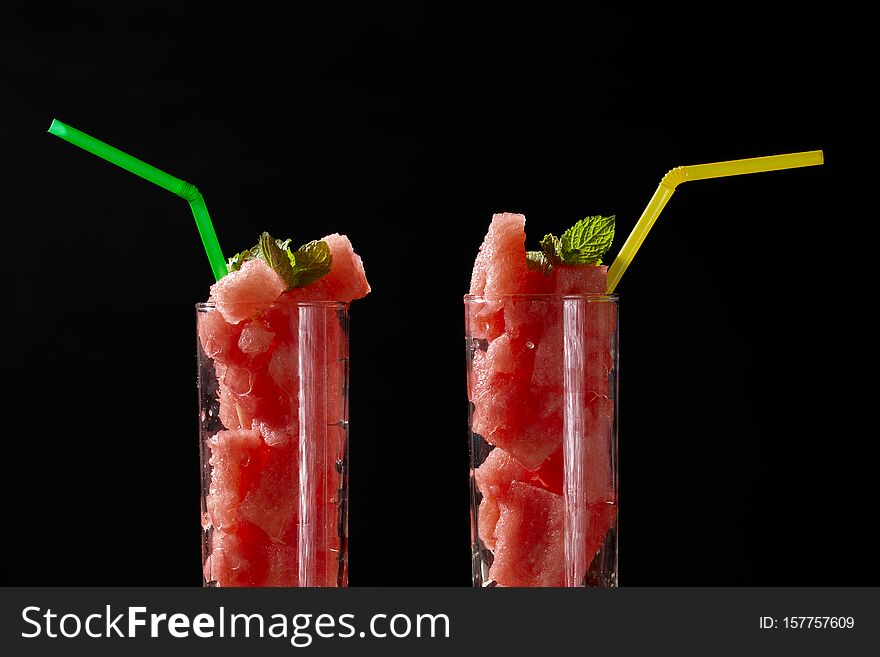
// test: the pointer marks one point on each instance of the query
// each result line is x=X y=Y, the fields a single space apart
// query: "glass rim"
x=210 y=305
x=592 y=296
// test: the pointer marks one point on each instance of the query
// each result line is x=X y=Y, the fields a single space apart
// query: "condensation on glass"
x=273 y=435
x=542 y=379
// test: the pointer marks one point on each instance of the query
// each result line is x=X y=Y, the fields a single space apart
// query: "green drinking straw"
x=183 y=189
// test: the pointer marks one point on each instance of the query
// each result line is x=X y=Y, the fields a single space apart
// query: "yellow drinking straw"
x=679 y=175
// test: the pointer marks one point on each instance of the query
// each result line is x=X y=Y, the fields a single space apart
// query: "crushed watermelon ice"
x=517 y=387
x=254 y=336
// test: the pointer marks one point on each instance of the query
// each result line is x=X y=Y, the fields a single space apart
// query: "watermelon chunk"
x=233 y=463
x=494 y=477
x=255 y=339
x=346 y=280
x=226 y=565
x=219 y=338
x=500 y=267
x=267 y=503
x=246 y=292
x=580 y=279
x=529 y=535
x=508 y=411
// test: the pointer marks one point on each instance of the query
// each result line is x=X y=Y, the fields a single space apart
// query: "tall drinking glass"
x=542 y=379
x=273 y=433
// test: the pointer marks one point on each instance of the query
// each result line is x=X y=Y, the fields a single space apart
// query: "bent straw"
x=183 y=189
x=679 y=175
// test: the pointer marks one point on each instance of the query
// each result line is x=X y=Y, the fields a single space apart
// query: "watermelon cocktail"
x=542 y=368
x=273 y=384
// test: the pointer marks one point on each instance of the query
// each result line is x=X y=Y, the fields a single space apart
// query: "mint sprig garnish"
x=277 y=259
x=296 y=268
x=587 y=241
x=235 y=262
x=537 y=261
x=310 y=262
x=583 y=244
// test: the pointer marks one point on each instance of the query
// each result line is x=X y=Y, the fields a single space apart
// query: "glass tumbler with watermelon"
x=273 y=415
x=273 y=398
x=541 y=337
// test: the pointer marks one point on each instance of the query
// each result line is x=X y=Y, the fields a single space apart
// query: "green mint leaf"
x=583 y=244
x=587 y=241
x=550 y=245
x=277 y=258
x=310 y=262
x=537 y=261
x=255 y=252
x=235 y=262
x=296 y=268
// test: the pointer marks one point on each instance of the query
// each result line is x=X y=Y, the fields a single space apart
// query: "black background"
x=745 y=456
